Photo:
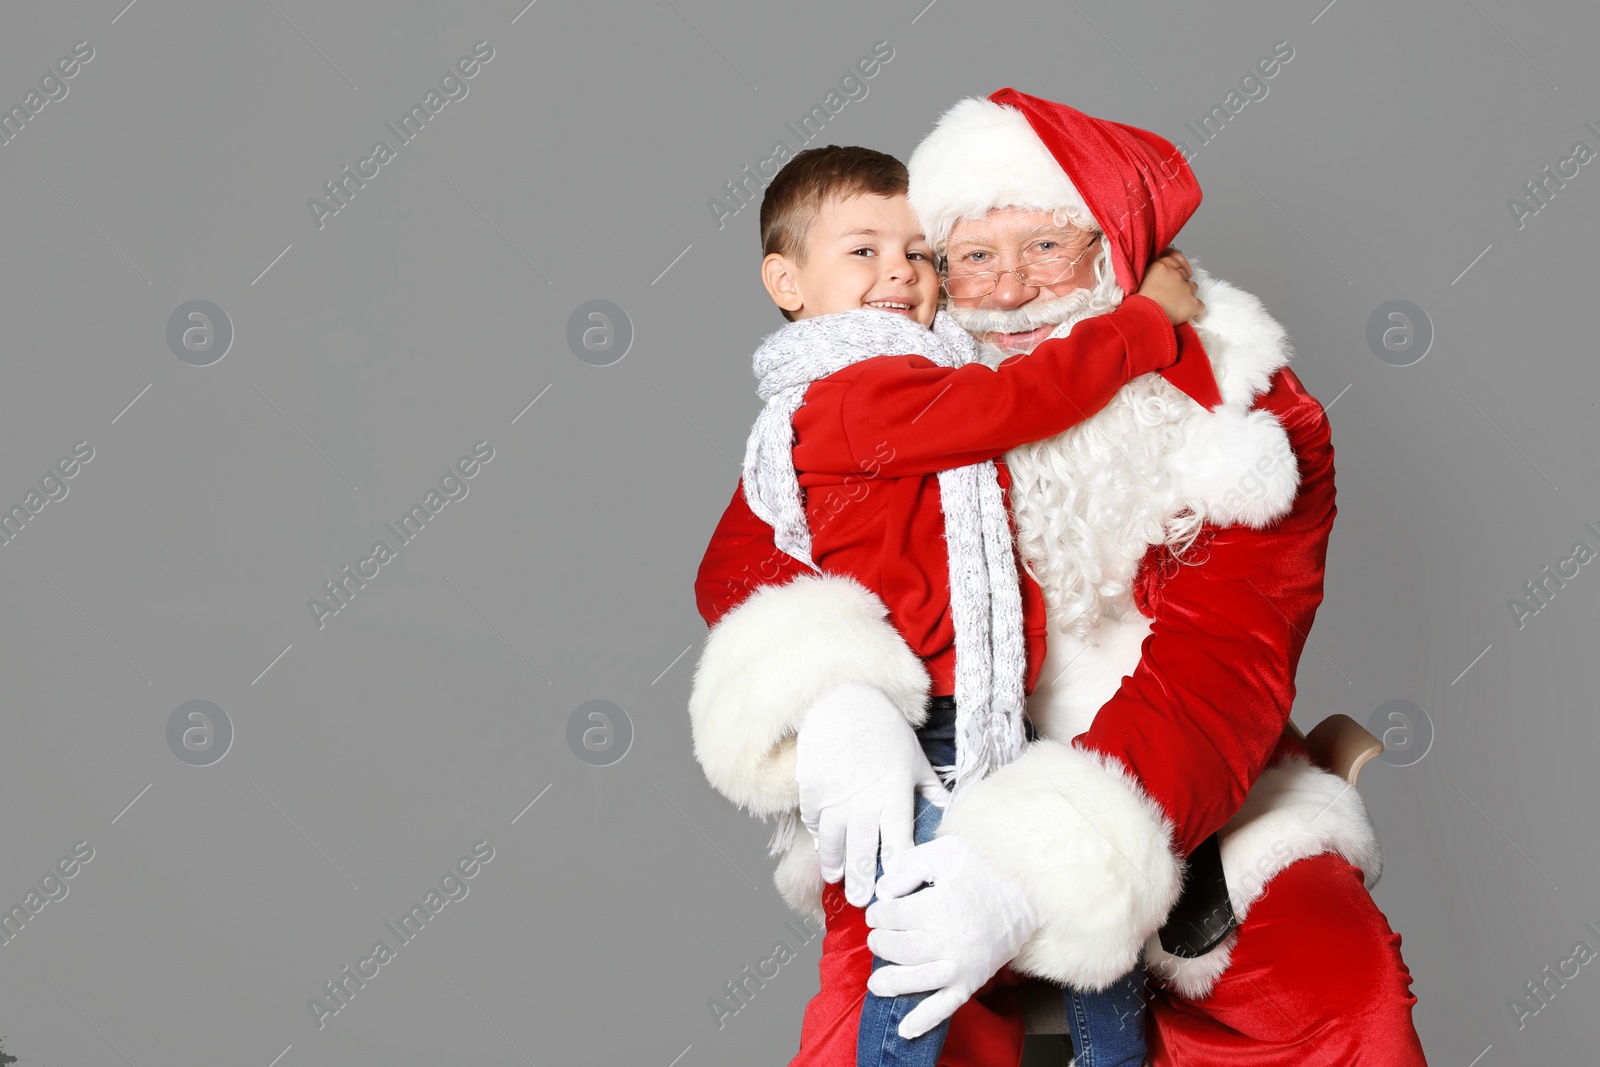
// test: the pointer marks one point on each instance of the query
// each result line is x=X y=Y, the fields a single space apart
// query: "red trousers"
x=1316 y=978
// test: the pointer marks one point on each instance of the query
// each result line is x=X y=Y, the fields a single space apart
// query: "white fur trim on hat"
x=981 y=156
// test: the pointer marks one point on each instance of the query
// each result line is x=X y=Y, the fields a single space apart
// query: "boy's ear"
x=779 y=276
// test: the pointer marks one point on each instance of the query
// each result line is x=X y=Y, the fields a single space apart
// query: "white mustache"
x=1027 y=317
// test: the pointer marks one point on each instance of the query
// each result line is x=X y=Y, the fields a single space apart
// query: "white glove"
x=950 y=937
x=858 y=766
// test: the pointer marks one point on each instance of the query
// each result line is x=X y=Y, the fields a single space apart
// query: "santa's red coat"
x=1169 y=731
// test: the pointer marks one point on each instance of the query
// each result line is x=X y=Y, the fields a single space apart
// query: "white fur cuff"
x=768 y=660
x=798 y=877
x=1090 y=849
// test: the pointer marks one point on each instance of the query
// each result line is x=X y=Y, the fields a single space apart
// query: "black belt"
x=1203 y=915
x=942 y=715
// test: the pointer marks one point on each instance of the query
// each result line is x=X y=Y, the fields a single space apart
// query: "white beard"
x=1089 y=502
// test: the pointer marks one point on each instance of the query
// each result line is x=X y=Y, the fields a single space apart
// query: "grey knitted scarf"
x=985 y=594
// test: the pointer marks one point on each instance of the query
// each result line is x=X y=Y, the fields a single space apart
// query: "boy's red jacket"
x=869 y=443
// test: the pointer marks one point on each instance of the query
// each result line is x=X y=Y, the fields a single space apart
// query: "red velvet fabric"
x=869 y=441
x=986 y=1031
x=1193 y=372
x=1137 y=185
x=867 y=462
x=1197 y=722
x=900 y=416
x=1316 y=979
x=1203 y=712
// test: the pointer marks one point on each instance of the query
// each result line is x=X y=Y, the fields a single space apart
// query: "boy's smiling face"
x=861 y=251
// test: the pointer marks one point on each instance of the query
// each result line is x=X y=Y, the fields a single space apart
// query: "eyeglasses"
x=1035 y=275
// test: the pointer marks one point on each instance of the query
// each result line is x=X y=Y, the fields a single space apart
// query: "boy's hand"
x=1169 y=281
x=859 y=766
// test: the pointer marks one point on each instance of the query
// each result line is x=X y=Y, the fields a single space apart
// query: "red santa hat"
x=1016 y=150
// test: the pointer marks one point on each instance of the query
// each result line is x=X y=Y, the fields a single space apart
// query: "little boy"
x=876 y=457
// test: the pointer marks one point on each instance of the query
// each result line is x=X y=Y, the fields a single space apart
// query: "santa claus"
x=1178 y=539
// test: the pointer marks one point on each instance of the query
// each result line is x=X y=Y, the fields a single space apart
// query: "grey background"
x=429 y=312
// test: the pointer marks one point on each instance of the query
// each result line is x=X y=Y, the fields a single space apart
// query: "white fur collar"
x=1246 y=345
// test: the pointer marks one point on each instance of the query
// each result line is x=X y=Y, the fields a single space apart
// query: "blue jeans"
x=1107 y=1027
